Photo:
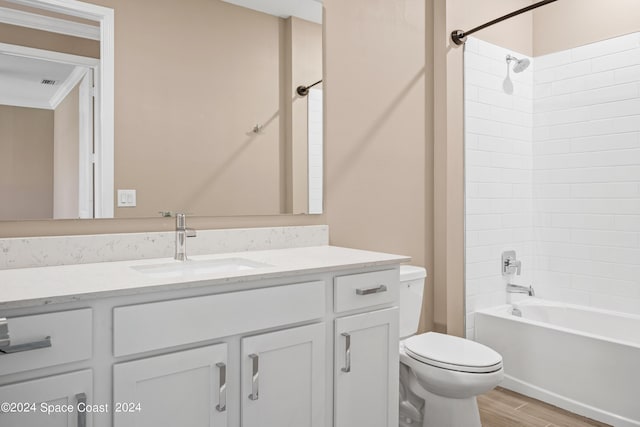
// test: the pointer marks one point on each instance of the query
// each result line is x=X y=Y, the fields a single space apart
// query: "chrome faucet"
x=519 y=289
x=182 y=232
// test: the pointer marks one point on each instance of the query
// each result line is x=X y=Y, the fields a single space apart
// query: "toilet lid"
x=453 y=353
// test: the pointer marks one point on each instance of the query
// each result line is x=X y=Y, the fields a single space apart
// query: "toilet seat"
x=452 y=353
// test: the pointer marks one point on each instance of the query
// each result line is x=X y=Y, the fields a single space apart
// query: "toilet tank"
x=411 y=291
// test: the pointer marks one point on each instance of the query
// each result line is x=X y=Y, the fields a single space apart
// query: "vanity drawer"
x=69 y=340
x=365 y=289
x=153 y=326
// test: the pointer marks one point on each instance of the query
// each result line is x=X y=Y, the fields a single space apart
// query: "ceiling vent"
x=48 y=82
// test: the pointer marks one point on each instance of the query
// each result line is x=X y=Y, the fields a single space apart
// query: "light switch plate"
x=126 y=198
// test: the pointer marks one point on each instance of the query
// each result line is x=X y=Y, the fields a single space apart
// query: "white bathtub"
x=578 y=358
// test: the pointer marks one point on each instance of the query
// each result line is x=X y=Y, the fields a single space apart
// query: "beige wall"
x=377 y=143
x=26 y=163
x=185 y=109
x=66 y=140
x=570 y=23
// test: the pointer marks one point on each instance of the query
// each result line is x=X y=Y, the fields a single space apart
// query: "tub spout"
x=519 y=289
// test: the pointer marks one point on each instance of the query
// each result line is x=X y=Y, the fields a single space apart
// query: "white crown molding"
x=48 y=55
x=67 y=86
x=46 y=23
x=77 y=8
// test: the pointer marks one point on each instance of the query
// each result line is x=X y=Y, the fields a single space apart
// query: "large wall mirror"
x=207 y=118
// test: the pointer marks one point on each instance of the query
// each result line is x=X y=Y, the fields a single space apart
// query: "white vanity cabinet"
x=366 y=355
x=49 y=401
x=282 y=374
x=312 y=343
x=366 y=370
x=186 y=388
x=283 y=378
x=36 y=342
x=43 y=340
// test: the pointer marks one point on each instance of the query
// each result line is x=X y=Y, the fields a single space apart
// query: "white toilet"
x=440 y=375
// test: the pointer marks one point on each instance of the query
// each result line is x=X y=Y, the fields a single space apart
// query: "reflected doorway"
x=47 y=140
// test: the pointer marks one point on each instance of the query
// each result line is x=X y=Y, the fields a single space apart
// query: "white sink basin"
x=198 y=268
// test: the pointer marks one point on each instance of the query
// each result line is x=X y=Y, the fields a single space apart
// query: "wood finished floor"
x=504 y=408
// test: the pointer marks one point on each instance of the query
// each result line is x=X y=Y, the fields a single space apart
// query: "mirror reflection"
x=46 y=138
x=208 y=119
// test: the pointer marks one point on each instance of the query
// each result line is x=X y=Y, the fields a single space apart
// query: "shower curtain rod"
x=304 y=90
x=459 y=36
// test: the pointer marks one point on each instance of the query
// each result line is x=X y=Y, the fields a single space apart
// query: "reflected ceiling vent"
x=48 y=82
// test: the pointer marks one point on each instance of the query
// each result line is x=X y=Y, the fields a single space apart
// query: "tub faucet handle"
x=510 y=263
x=517 y=264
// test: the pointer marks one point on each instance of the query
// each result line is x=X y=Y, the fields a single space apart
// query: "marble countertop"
x=25 y=287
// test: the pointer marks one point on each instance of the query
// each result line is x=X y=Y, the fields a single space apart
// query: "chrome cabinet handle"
x=5 y=341
x=44 y=343
x=347 y=352
x=369 y=291
x=254 y=377
x=222 y=397
x=4 y=332
x=82 y=415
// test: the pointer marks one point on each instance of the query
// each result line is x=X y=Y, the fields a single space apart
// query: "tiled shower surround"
x=498 y=172
x=553 y=171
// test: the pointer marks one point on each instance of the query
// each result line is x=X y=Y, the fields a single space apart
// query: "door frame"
x=85 y=69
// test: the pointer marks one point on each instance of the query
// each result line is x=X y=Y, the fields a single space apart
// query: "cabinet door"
x=55 y=398
x=283 y=378
x=366 y=370
x=187 y=388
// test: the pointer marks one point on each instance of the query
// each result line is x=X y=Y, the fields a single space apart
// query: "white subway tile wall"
x=499 y=174
x=553 y=172
x=586 y=175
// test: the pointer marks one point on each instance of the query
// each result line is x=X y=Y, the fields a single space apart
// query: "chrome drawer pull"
x=5 y=341
x=9 y=349
x=369 y=291
x=222 y=399
x=254 y=377
x=347 y=352
x=82 y=415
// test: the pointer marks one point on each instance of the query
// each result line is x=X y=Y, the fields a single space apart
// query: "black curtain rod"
x=304 y=90
x=459 y=36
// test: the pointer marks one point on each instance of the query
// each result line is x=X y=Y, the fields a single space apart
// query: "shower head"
x=521 y=64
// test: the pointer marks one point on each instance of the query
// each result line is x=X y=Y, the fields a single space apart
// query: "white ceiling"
x=20 y=80
x=310 y=10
